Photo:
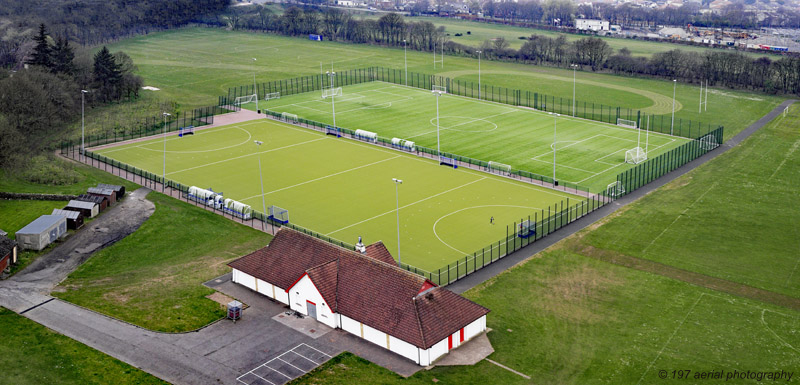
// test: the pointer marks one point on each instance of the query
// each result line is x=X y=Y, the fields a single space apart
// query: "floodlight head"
x=84 y=91
x=398 y=181
x=166 y=114
x=254 y=59
x=258 y=142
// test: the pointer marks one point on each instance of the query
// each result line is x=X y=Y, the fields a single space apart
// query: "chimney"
x=360 y=247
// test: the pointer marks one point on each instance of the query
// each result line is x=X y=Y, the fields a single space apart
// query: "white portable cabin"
x=42 y=232
x=238 y=209
x=206 y=197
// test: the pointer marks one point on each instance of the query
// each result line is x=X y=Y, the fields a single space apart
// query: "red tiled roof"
x=286 y=258
x=366 y=289
x=379 y=251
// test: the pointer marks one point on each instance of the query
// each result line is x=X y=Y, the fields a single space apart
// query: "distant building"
x=592 y=25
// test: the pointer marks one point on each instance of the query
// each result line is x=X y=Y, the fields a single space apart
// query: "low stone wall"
x=36 y=197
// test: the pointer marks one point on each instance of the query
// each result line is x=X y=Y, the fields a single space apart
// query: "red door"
x=449 y=342
x=461 y=334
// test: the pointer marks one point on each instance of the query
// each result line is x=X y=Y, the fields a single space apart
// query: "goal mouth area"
x=615 y=189
x=627 y=123
x=635 y=155
x=329 y=92
x=526 y=229
x=245 y=99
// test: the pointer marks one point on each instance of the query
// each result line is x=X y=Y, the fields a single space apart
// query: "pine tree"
x=63 y=56
x=107 y=75
x=41 y=52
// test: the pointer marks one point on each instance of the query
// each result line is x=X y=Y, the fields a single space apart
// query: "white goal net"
x=328 y=92
x=499 y=167
x=287 y=117
x=627 y=123
x=708 y=142
x=635 y=155
x=439 y=89
x=272 y=95
x=278 y=214
x=615 y=189
x=245 y=99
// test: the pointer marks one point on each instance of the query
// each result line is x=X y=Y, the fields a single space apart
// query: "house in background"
x=365 y=294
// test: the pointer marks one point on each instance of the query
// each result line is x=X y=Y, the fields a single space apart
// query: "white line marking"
x=408 y=205
x=276 y=370
x=246 y=155
x=323 y=177
x=674 y=332
x=781 y=340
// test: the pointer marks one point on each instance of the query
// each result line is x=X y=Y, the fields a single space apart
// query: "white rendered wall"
x=304 y=290
x=244 y=279
x=377 y=337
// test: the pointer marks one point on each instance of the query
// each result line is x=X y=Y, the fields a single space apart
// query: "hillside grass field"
x=33 y=354
x=588 y=153
x=191 y=68
x=343 y=188
x=162 y=266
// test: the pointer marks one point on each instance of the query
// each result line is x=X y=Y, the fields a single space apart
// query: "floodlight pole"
x=438 y=147
x=405 y=58
x=574 y=67
x=331 y=75
x=164 y=181
x=555 y=127
x=672 y=125
x=254 y=86
x=479 y=74
x=83 y=101
x=398 y=182
x=261 y=176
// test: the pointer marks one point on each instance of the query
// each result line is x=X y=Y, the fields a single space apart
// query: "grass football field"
x=344 y=188
x=588 y=153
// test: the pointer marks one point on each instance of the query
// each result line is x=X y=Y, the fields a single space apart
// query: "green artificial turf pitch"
x=588 y=153
x=344 y=189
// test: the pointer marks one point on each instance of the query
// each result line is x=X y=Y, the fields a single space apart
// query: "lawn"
x=16 y=214
x=193 y=66
x=153 y=278
x=33 y=354
x=588 y=153
x=84 y=177
x=563 y=318
x=343 y=188
x=734 y=218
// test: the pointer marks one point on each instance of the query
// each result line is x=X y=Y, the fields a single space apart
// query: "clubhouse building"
x=364 y=293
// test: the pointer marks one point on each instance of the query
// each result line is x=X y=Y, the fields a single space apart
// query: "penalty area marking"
x=249 y=136
x=469 y=208
x=469 y=120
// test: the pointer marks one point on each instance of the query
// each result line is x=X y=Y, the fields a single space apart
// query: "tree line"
x=40 y=100
x=92 y=22
x=720 y=68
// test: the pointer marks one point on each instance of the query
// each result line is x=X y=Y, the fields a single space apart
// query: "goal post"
x=635 y=155
x=272 y=96
x=289 y=118
x=615 y=189
x=440 y=89
x=278 y=214
x=627 y=123
x=497 y=166
x=526 y=229
x=708 y=142
x=245 y=99
x=328 y=92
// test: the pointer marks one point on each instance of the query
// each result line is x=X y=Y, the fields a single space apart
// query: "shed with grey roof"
x=103 y=192
x=42 y=232
x=88 y=209
x=74 y=218
x=102 y=202
x=120 y=190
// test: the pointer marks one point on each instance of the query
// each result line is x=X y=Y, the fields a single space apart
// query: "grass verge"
x=153 y=278
x=33 y=354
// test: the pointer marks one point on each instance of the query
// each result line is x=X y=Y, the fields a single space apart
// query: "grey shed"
x=88 y=209
x=42 y=232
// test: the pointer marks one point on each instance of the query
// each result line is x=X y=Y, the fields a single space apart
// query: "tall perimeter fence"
x=537 y=225
x=548 y=103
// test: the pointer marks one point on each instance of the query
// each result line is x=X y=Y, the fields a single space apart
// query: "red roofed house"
x=363 y=294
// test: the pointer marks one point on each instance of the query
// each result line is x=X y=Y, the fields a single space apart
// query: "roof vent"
x=360 y=247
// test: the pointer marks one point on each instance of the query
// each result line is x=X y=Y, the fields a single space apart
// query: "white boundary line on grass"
x=246 y=155
x=469 y=208
x=408 y=205
x=674 y=332
x=781 y=340
x=323 y=177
